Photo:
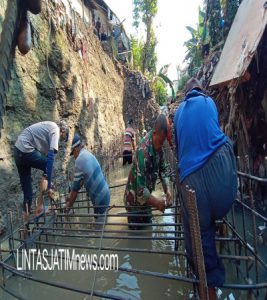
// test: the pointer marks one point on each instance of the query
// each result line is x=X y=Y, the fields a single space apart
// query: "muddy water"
x=123 y=284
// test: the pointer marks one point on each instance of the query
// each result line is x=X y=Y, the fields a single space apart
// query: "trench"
x=152 y=264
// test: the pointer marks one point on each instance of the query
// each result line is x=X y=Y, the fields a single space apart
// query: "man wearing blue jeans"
x=35 y=148
x=206 y=164
x=88 y=173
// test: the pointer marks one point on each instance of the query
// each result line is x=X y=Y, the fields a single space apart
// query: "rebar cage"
x=241 y=242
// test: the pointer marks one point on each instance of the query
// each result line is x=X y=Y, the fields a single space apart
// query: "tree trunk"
x=147 y=43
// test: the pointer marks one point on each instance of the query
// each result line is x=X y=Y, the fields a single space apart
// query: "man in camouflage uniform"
x=142 y=178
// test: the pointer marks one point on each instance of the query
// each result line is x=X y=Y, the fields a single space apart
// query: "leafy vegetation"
x=145 y=11
x=137 y=49
x=229 y=8
x=213 y=26
x=184 y=78
x=194 y=55
x=214 y=19
x=144 y=52
x=214 y=22
x=160 y=90
x=194 y=51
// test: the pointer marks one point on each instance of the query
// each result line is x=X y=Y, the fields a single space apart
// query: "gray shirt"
x=41 y=136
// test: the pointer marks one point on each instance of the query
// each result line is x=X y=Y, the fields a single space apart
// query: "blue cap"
x=75 y=142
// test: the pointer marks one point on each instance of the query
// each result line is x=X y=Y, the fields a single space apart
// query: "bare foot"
x=39 y=209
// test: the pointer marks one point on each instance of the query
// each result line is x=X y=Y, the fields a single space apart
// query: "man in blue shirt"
x=88 y=173
x=206 y=164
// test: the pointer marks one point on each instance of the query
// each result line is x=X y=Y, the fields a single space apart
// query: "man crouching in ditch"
x=88 y=173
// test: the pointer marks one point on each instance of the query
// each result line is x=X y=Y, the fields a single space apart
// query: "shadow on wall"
x=57 y=93
x=131 y=102
x=12 y=179
x=8 y=25
x=137 y=104
x=9 y=198
x=88 y=114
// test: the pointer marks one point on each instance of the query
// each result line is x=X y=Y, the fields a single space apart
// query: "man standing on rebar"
x=35 y=148
x=88 y=173
x=128 y=143
x=206 y=164
x=148 y=166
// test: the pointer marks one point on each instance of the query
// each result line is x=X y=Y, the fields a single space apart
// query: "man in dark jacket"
x=206 y=164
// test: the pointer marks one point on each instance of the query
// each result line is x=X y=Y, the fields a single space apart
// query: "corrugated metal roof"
x=242 y=42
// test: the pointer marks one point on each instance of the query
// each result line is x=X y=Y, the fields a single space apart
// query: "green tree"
x=183 y=80
x=194 y=45
x=194 y=51
x=146 y=10
x=160 y=91
x=210 y=32
x=214 y=17
x=137 y=47
x=229 y=11
x=149 y=56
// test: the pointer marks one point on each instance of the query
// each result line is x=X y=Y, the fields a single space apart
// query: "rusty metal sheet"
x=242 y=42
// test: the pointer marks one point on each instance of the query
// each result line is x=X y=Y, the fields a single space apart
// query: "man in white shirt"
x=35 y=148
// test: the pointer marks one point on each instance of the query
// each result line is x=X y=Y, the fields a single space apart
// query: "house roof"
x=115 y=21
x=241 y=43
